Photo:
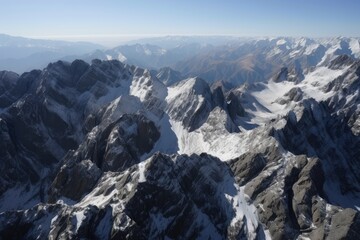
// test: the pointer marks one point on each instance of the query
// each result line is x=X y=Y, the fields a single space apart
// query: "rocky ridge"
x=106 y=150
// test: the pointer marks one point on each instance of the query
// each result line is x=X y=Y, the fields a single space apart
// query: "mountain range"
x=21 y=54
x=245 y=60
x=257 y=139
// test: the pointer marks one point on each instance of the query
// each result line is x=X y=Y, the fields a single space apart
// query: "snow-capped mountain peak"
x=108 y=150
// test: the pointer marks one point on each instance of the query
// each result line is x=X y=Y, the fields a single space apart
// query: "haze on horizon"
x=107 y=22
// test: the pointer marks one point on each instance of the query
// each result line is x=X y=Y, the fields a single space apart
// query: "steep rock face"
x=327 y=137
x=14 y=170
x=196 y=93
x=74 y=180
x=268 y=182
x=24 y=83
x=7 y=81
x=247 y=166
x=115 y=147
x=136 y=134
x=234 y=107
x=345 y=225
x=47 y=113
x=149 y=90
x=346 y=99
x=157 y=198
x=296 y=186
x=116 y=144
x=282 y=76
x=289 y=193
x=191 y=102
x=307 y=189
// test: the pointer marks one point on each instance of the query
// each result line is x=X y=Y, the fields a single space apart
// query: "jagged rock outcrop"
x=283 y=75
x=191 y=102
x=234 y=107
x=294 y=189
x=294 y=95
x=115 y=147
x=157 y=198
x=196 y=94
x=48 y=113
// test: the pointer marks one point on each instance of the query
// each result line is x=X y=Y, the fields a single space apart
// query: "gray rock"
x=295 y=95
x=283 y=75
x=247 y=166
x=74 y=180
x=194 y=112
x=234 y=106
x=305 y=190
x=345 y=225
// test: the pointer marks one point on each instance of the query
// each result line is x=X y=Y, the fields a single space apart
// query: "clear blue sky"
x=82 y=18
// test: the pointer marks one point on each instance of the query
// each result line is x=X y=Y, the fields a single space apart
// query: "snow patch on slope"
x=187 y=88
x=354 y=46
x=266 y=107
x=142 y=168
x=79 y=217
x=269 y=108
x=311 y=48
x=225 y=145
x=314 y=82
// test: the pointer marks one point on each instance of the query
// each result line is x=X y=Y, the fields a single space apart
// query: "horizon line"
x=68 y=36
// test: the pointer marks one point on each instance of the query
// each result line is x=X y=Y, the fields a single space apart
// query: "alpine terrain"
x=252 y=139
